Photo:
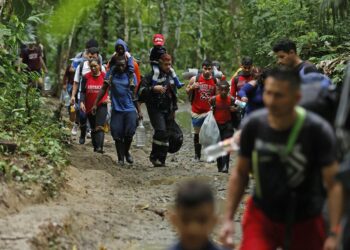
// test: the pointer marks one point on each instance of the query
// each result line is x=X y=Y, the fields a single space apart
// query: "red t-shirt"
x=222 y=111
x=31 y=57
x=93 y=86
x=238 y=82
x=203 y=94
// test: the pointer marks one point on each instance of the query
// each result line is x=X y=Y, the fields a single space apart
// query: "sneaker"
x=157 y=163
x=74 y=129
x=88 y=134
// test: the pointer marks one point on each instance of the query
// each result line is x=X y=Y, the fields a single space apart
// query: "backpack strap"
x=213 y=103
x=293 y=136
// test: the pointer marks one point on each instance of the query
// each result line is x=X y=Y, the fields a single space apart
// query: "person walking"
x=201 y=89
x=161 y=103
x=90 y=86
x=292 y=154
x=124 y=111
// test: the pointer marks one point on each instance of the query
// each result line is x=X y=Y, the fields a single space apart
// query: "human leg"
x=160 y=142
x=101 y=115
x=156 y=72
x=130 y=128
x=117 y=130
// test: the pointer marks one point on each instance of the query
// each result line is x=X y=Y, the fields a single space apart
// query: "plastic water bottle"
x=220 y=149
x=140 y=135
x=66 y=99
x=241 y=104
x=47 y=83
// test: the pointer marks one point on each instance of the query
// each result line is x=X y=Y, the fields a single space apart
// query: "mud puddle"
x=105 y=206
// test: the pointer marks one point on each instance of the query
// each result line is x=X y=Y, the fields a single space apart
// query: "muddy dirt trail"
x=106 y=206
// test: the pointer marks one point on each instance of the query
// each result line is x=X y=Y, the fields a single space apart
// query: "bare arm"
x=189 y=87
x=74 y=92
x=335 y=204
x=335 y=194
x=237 y=183
x=101 y=93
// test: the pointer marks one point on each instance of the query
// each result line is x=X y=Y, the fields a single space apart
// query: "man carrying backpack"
x=286 y=54
x=292 y=154
x=200 y=90
x=243 y=76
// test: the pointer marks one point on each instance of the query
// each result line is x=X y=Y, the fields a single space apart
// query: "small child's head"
x=158 y=40
x=223 y=88
x=194 y=214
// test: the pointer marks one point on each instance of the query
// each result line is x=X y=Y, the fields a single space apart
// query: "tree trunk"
x=126 y=23
x=234 y=8
x=178 y=29
x=104 y=26
x=163 y=18
x=199 y=33
x=139 y=22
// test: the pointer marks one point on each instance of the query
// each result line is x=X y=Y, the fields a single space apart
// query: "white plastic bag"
x=209 y=133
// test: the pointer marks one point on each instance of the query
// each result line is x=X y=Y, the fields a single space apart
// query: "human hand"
x=233 y=109
x=82 y=107
x=140 y=114
x=330 y=243
x=244 y=99
x=159 y=89
x=72 y=100
x=195 y=85
x=226 y=234
x=93 y=110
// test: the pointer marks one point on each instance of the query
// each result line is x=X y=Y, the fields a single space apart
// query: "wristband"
x=335 y=231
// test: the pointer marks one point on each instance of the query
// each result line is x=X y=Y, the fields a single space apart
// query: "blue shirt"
x=121 y=94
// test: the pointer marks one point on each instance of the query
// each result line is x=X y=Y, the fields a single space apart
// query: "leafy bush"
x=26 y=120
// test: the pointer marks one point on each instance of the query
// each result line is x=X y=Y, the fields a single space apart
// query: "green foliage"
x=26 y=121
x=65 y=16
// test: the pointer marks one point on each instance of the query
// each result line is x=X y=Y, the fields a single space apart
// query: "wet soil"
x=106 y=206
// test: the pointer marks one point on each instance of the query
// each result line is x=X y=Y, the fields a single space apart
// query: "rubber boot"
x=127 y=144
x=220 y=163
x=119 y=145
x=100 y=136
x=226 y=164
x=82 y=134
x=93 y=140
x=197 y=148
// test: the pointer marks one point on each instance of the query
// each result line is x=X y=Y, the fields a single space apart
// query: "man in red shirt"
x=32 y=56
x=244 y=75
x=223 y=106
x=200 y=89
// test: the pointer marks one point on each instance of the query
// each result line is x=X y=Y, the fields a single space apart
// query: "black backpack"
x=321 y=100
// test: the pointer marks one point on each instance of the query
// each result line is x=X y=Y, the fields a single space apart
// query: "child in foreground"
x=194 y=217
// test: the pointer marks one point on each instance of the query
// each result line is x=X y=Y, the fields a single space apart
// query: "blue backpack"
x=315 y=77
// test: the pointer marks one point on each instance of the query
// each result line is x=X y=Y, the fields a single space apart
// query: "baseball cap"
x=158 y=39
